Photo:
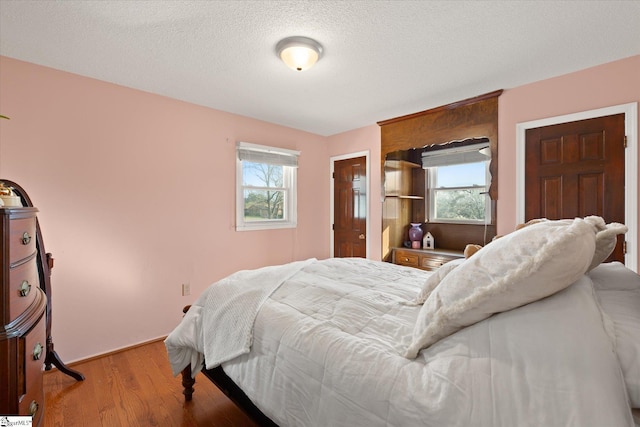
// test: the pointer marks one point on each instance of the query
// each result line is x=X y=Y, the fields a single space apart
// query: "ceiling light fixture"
x=299 y=53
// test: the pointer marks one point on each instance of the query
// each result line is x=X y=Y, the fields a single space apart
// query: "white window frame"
x=431 y=187
x=289 y=178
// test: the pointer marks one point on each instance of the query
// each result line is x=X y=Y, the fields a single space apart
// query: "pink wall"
x=606 y=85
x=136 y=194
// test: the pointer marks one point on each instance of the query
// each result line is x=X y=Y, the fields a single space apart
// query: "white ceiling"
x=382 y=59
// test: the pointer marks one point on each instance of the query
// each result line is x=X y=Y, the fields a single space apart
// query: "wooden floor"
x=131 y=388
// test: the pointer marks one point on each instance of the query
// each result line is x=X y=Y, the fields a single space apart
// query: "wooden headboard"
x=466 y=119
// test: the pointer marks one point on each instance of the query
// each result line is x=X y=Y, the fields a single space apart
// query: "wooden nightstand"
x=424 y=259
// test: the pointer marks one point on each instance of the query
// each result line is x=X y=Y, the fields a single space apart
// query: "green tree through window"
x=266 y=187
x=263 y=191
x=467 y=204
x=457 y=193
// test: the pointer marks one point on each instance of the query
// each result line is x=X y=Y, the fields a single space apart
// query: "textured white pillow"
x=605 y=240
x=521 y=267
x=435 y=279
x=605 y=244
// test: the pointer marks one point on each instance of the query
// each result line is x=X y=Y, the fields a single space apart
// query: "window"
x=458 y=182
x=266 y=187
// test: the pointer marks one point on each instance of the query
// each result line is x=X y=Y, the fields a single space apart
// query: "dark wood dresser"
x=23 y=311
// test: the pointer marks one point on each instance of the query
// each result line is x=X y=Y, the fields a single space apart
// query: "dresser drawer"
x=406 y=258
x=22 y=239
x=23 y=283
x=32 y=348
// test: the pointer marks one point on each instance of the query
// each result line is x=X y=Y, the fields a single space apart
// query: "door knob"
x=361 y=237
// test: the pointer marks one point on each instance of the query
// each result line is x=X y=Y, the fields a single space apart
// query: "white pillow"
x=605 y=244
x=435 y=279
x=606 y=240
x=521 y=267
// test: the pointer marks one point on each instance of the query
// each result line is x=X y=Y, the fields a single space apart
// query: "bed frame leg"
x=187 y=383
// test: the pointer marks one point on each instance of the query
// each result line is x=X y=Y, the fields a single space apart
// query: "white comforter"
x=327 y=344
x=230 y=305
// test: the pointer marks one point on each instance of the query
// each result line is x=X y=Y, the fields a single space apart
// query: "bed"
x=544 y=336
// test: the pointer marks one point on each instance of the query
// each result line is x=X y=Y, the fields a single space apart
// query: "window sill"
x=264 y=226
x=458 y=222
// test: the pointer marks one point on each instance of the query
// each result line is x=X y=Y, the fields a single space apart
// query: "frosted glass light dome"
x=299 y=53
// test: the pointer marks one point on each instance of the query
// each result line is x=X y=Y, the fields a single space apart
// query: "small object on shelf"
x=428 y=242
x=415 y=235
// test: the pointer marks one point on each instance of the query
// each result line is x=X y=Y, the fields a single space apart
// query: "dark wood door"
x=577 y=169
x=350 y=208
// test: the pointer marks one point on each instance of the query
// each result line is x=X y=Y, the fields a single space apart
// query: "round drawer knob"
x=33 y=408
x=26 y=238
x=25 y=288
x=37 y=351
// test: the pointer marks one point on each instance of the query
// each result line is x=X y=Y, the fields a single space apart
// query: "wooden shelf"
x=397 y=164
x=398 y=180
x=400 y=196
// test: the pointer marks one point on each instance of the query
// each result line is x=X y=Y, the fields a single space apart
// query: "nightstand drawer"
x=407 y=258
x=429 y=263
x=424 y=259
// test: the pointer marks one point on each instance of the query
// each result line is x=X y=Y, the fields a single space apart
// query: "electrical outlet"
x=186 y=289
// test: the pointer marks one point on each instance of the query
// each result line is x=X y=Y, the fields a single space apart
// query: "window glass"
x=266 y=187
x=465 y=175
x=264 y=192
x=458 y=193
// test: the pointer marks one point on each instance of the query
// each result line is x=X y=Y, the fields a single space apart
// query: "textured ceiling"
x=382 y=59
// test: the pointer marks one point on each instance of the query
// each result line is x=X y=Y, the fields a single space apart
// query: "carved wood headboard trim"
x=451 y=106
x=466 y=119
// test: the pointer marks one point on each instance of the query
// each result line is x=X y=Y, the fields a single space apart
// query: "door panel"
x=590 y=191
x=350 y=212
x=551 y=192
x=576 y=169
